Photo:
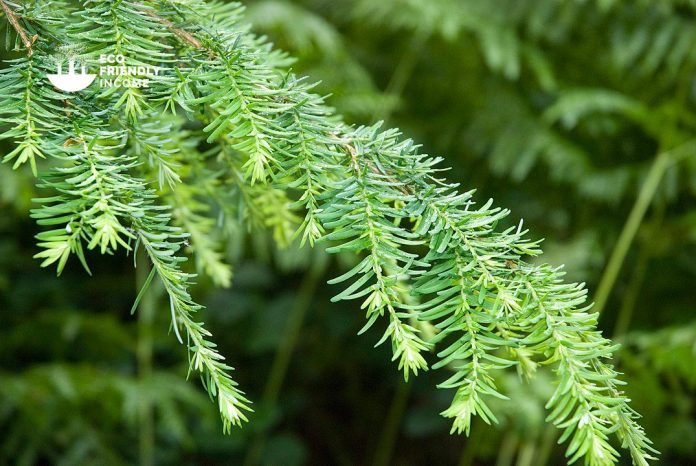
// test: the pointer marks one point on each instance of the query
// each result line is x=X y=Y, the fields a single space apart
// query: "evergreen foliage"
x=245 y=142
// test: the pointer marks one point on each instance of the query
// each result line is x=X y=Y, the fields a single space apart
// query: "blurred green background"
x=577 y=115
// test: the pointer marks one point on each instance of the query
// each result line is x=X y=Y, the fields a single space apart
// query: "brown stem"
x=183 y=35
x=13 y=18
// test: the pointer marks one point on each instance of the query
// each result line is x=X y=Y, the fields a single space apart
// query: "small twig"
x=182 y=34
x=405 y=189
x=13 y=18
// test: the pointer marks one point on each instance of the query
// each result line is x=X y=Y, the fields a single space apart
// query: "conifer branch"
x=13 y=19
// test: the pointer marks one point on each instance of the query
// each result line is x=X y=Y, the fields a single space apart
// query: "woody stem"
x=13 y=18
